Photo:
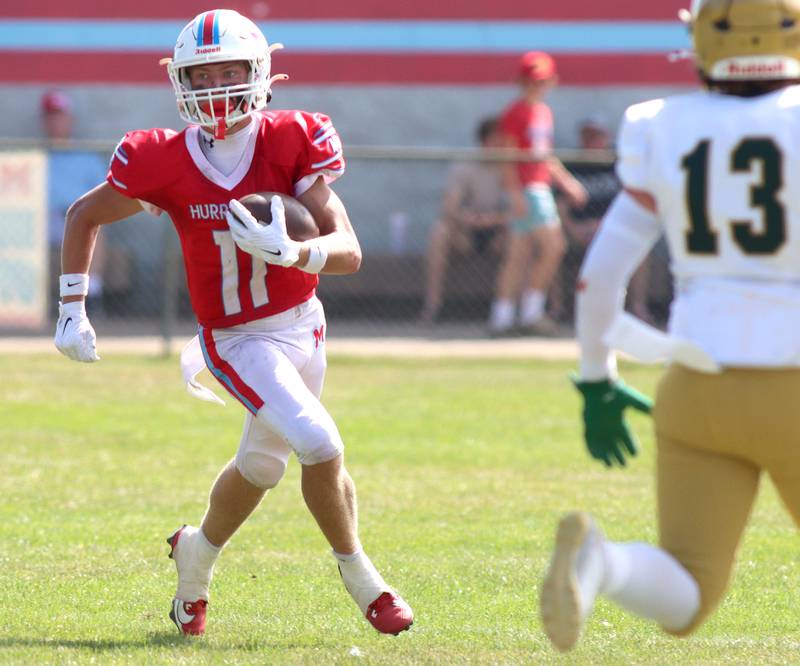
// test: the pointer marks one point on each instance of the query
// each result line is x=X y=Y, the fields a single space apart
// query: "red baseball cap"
x=55 y=101
x=537 y=66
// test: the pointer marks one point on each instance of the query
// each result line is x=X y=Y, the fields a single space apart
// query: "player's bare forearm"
x=99 y=206
x=337 y=235
x=344 y=251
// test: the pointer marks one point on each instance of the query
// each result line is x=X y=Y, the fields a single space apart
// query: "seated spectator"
x=581 y=223
x=475 y=211
x=70 y=173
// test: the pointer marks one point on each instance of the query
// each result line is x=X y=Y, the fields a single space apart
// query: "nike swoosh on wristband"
x=72 y=284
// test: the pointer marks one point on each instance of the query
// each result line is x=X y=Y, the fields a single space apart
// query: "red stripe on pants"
x=220 y=365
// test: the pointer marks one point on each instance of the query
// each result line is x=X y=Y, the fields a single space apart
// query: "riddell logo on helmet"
x=207 y=49
x=756 y=68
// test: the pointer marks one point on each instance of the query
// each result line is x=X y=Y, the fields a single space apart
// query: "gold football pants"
x=715 y=435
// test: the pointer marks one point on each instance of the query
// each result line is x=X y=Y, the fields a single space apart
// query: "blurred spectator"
x=475 y=212
x=594 y=133
x=581 y=223
x=70 y=173
x=527 y=124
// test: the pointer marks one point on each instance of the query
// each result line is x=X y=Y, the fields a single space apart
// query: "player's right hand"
x=269 y=242
x=607 y=436
x=75 y=337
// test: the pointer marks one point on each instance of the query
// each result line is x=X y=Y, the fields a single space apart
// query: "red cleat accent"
x=189 y=616
x=173 y=542
x=389 y=614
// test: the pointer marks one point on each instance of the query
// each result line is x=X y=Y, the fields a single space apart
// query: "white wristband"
x=317 y=256
x=73 y=284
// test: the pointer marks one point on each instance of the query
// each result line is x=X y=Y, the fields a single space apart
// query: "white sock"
x=347 y=558
x=361 y=578
x=531 y=308
x=501 y=315
x=207 y=552
x=195 y=559
x=650 y=583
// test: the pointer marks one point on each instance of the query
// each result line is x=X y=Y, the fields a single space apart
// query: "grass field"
x=463 y=468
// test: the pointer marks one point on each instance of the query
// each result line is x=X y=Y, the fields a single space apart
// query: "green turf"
x=462 y=467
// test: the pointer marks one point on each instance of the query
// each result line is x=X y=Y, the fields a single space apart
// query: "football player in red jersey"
x=261 y=327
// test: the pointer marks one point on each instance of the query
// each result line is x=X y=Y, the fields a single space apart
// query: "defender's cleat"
x=389 y=614
x=572 y=581
x=189 y=616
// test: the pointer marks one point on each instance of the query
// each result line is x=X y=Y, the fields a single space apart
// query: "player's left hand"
x=269 y=242
x=75 y=336
x=608 y=437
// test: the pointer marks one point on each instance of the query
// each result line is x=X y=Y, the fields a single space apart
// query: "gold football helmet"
x=745 y=40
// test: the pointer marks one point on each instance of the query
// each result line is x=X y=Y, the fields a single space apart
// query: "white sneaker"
x=573 y=579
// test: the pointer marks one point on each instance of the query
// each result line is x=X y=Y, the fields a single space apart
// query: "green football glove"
x=608 y=437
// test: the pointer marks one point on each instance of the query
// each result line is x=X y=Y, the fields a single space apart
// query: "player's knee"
x=261 y=469
x=318 y=445
x=313 y=435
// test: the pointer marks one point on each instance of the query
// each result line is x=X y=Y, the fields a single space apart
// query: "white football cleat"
x=384 y=609
x=190 y=604
x=573 y=580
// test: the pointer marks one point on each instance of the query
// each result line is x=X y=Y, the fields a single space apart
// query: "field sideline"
x=463 y=467
x=394 y=347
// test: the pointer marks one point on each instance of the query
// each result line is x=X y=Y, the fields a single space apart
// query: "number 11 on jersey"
x=230 y=275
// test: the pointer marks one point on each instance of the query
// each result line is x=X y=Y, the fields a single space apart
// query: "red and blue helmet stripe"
x=207 y=29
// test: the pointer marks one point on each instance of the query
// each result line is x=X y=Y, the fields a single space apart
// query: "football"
x=300 y=224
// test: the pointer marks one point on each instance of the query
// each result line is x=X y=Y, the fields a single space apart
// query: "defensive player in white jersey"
x=717 y=171
x=262 y=330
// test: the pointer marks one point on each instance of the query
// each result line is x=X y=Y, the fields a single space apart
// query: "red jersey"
x=169 y=171
x=531 y=126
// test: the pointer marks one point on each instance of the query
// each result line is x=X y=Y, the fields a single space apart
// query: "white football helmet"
x=221 y=35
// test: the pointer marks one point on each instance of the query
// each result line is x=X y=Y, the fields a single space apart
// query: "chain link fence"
x=393 y=196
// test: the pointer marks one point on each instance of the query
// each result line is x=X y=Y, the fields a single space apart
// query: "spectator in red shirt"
x=527 y=124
